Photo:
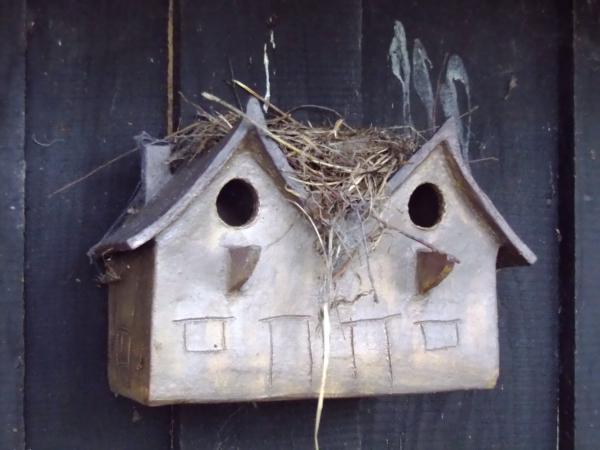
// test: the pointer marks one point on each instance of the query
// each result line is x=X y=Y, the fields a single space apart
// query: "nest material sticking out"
x=344 y=169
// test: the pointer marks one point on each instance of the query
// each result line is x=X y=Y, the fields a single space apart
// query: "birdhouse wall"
x=467 y=296
x=263 y=339
x=130 y=306
x=193 y=301
x=405 y=341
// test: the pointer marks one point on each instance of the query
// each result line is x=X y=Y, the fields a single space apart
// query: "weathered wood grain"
x=12 y=241
x=586 y=384
x=95 y=77
x=315 y=60
x=327 y=57
x=523 y=130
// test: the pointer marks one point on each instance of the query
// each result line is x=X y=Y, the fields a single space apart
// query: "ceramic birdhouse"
x=218 y=287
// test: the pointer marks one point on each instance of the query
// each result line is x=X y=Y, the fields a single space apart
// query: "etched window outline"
x=123 y=347
x=427 y=346
x=307 y=319
x=388 y=348
x=192 y=320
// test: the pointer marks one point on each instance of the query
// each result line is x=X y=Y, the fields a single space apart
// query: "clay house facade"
x=219 y=287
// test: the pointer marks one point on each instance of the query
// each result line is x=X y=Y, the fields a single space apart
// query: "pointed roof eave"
x=189 y=181
x=513 y=251
x=255 y=120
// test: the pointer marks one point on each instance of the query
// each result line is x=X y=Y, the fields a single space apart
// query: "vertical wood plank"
x=95 y=77
x=314 y=58
x=217 y=39
x=313 y=52
x=587 y=216
x=524 y=129
x=325 y=54
x=12 y=174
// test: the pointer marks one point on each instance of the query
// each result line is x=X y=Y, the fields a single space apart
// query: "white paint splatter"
x=267 y=80
x=398 y=55
x=421 y=80
x=456 y=72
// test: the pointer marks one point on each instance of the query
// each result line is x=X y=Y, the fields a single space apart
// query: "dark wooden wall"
x=80 y=78
x=587 y=212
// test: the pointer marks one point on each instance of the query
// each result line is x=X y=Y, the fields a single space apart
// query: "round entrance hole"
x=237 y=202
x=426 y=205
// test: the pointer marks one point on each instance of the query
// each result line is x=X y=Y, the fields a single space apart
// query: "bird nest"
x=344 y=169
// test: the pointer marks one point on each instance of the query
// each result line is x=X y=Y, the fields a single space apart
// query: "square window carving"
x=439 y=334
x=205 y=335
x=123 y=347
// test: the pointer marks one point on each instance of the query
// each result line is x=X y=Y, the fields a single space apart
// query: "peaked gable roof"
x=513 y=251
x=189 y=181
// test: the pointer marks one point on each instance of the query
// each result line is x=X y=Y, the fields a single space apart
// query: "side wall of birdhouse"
x=214 y=341
x=447 y=338
x=130 y=306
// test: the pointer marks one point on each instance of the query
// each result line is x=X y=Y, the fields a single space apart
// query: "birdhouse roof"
x=183 y=187
x=513 y=251
x=190 y=180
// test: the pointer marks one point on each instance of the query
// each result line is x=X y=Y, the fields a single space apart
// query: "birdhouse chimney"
x=155 y=166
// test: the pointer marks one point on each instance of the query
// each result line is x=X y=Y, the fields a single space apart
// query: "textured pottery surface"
x=209 y=312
